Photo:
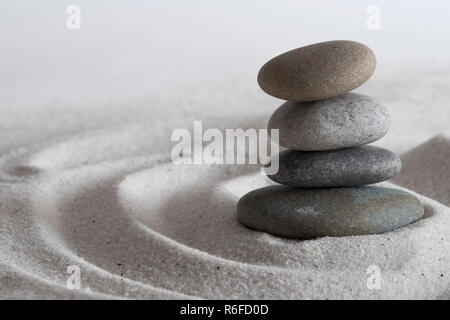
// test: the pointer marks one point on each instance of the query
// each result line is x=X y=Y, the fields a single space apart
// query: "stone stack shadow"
x=328 y=163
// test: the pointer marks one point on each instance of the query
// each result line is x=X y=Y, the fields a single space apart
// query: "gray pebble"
x=318 y=71
x=309 y=213
x=336 y=168
x=345 y=121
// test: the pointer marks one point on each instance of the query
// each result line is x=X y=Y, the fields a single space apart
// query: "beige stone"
x=319 y=71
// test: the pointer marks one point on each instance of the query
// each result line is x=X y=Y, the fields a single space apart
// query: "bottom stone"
x=309 y=213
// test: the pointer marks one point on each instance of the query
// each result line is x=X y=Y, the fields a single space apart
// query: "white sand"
x=140 y=227
x=85 y=176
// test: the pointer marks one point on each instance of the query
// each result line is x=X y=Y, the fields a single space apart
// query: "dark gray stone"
x=336 y=168
x=309 y=213
x=345 y=121
x=318 y=71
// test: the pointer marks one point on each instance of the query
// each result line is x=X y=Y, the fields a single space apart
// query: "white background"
x=157 y=59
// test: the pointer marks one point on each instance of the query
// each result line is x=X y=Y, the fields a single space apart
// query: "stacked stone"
x=327 y=164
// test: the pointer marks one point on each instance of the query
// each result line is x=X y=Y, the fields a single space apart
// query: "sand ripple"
x=111 y=202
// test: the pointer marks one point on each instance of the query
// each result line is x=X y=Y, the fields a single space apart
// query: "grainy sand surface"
x=86 y=177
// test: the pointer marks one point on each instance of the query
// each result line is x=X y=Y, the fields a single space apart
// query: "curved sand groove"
x=140 y=227
x=204 y=219
x=44 y=258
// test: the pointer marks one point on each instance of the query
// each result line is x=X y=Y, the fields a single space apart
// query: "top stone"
x=318 y=71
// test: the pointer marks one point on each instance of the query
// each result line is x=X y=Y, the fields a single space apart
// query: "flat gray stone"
x=348 y=167
x=318 y=71
x=309 y=213
x=345 y=121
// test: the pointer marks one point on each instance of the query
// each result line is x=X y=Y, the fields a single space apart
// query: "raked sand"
x=111 y=202
x=85 y=173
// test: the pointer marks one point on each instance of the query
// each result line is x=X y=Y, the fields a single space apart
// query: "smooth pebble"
x=309 y=213
x=318 y=71
x=345 y=121
x=336 y=168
